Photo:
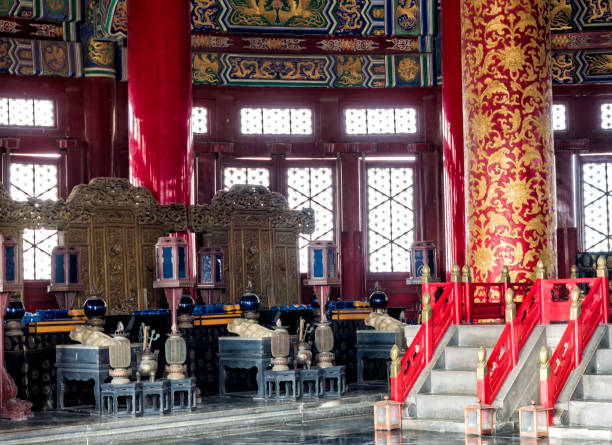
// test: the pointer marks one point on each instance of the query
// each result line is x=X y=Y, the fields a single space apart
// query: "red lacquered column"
x=350 y=234
x=159 y=96
x=99 y=95
x=507 y=102
x=452 y=135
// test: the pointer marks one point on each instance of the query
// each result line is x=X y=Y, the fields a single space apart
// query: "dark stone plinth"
x=310 y=383
x=122 y=400
x=282 y=385
x=80 y=362
x=243 y=353
x=182 y=394
x=373 y=356
x=156 y=397
x=333 y=382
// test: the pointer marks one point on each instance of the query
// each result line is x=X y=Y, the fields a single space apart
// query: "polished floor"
x=353 y=431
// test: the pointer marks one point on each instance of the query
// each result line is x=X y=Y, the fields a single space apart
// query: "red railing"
x=594 y=309
x=420 y=351
x=485 y=301
x=507 y=349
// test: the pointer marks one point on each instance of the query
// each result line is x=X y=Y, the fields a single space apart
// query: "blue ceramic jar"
x=94 y=307
x=186 y=305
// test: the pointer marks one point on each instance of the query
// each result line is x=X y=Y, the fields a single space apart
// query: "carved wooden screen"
x=260 y=237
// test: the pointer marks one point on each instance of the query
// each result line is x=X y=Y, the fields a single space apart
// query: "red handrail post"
x=467 y=302
x=575 y=325
x=394 y=372
x=544 y=297
x=483 y=389
x=602 y=274
x=513 y=328
x=429 y=340
x=546 y=387
x=457 y=295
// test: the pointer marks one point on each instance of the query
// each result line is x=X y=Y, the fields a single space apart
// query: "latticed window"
x=597 y=206
x=288 y=121
x=559 y=117
x=380 y=120
x=390 y=195
x=245 y=175
x=313 y=188
x=35 y=181
x=27 y=112
x=199 y=120
x=606 y=116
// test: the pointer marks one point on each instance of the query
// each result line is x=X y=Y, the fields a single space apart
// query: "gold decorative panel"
x=259 y=234
x=115 y=226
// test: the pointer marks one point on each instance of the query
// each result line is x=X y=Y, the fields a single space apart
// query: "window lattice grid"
x=35 y=181
x=199 y=120
x=245 y=175
x=606 y=116
x=37 y=246
x=271 y=121
x=27 y=112
x=559 y=117
x=380 y=120
x=390 y=194
x=313 y=188
x=597 y=206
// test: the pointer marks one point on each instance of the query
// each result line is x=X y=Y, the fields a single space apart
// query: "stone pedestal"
x=245 y=353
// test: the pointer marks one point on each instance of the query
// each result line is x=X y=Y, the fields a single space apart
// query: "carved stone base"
x=120 y=376
x=175 y=372
x=280 y=364
x=13 y=328
x=325 y=359
x=185 y=321
x=10 y=406
x=97 y=323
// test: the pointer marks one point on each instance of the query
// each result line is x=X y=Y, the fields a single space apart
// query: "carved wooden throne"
x=116 y=225
x=259 y=234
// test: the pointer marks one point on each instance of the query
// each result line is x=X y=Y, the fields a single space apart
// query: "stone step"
x=461 y=358
x=453 y=382
x=609 y=336
x=554 y=332
x=478 y=335
x=603 y=361
x=410 y=331
x=597 y=414
x=443 y=406
x=597 y=387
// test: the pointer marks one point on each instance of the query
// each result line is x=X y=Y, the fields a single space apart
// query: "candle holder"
x=211 y=278
x=172 y=272
x=322 y=271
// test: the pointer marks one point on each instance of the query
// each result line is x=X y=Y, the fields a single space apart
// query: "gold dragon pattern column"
x=507 y=100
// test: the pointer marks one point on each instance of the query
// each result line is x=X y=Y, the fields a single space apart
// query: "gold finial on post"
x=510 y=306
x=602 y=270
x=576 y=308
x=481 y=363
x=466 y=275
x=455 y=273
x=426 y=274
x=540 y=270
x=396 y=362
x=426 y=311
x=544 y=358
x=505 y=275
x=573 y=272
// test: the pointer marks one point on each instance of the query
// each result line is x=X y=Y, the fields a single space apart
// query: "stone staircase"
x=591 y=404
x=443 y=393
